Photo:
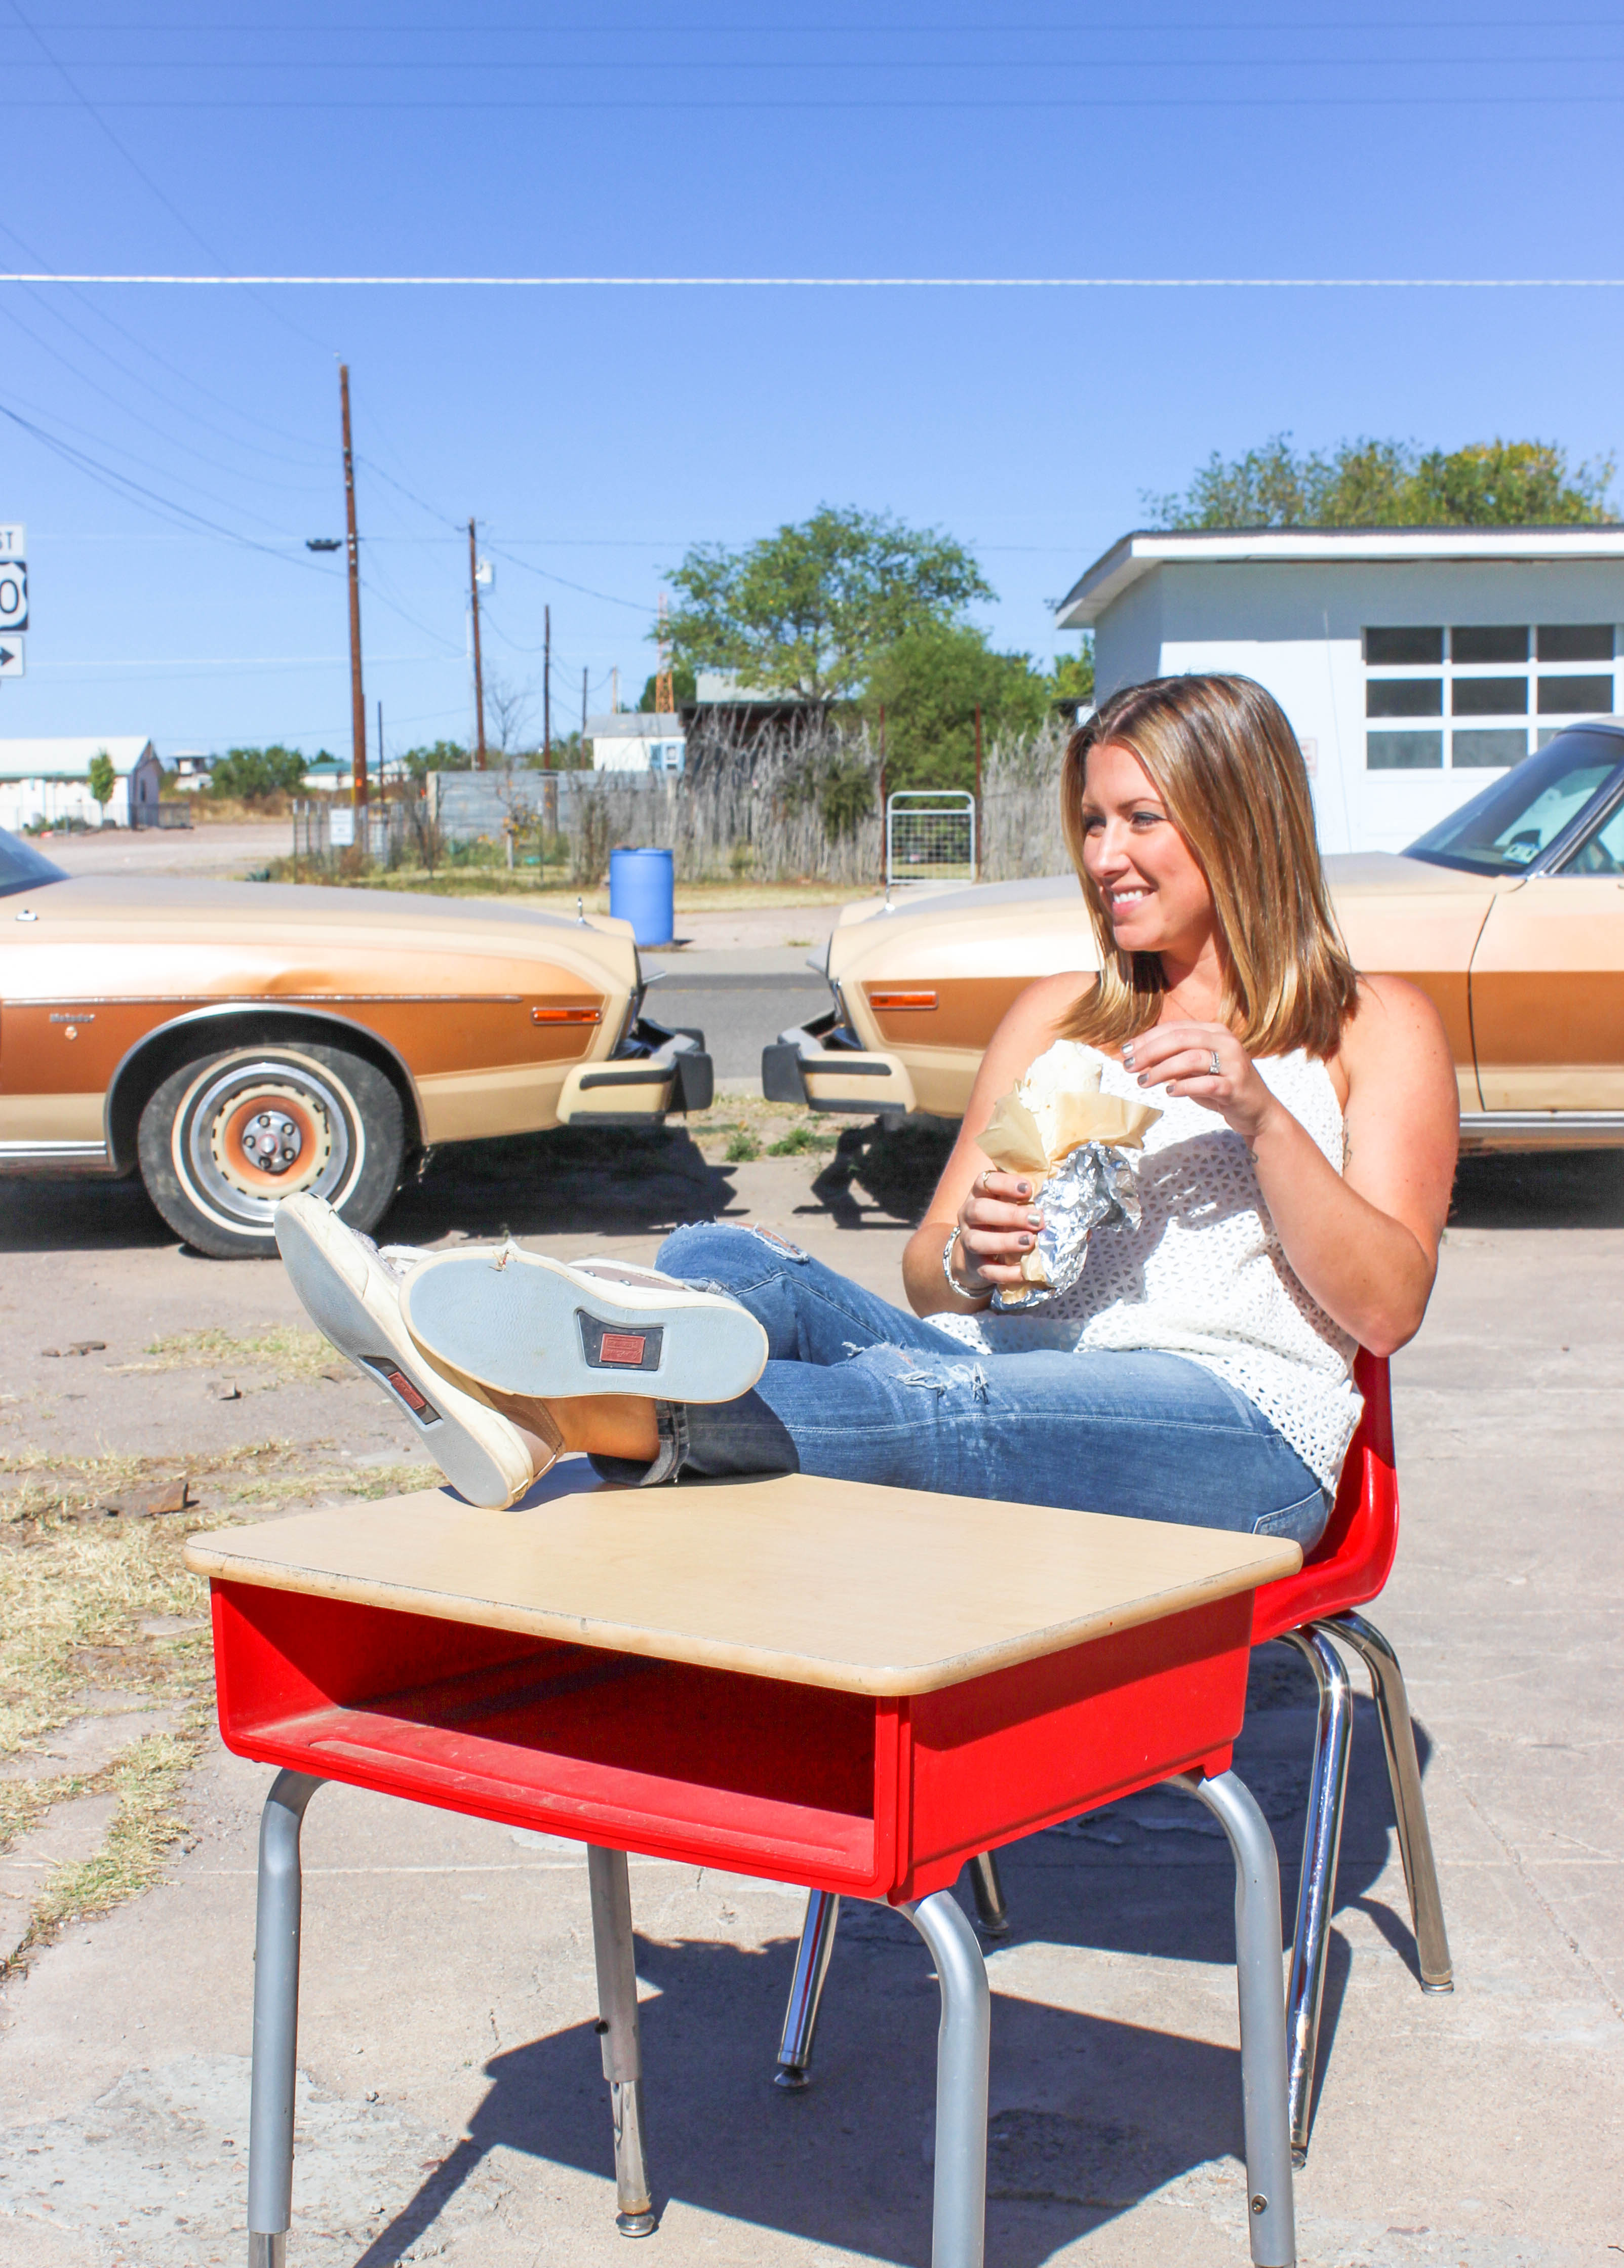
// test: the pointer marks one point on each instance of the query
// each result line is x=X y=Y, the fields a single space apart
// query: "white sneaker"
x=521 y=1324
x=353 y=1297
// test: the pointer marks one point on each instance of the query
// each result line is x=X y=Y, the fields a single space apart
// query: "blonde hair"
x=1226 y=763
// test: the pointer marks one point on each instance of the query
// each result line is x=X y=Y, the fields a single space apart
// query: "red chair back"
x=1353 y=1558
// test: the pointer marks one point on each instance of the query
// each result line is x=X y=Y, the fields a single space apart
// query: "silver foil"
x=1094 y=1187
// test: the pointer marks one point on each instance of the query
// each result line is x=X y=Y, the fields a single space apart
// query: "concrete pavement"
x=454 y=2107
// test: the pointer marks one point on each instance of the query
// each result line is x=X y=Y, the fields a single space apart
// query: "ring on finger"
x=1215 y=1069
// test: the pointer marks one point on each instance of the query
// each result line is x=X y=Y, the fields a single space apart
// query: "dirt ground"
x=451 y=2106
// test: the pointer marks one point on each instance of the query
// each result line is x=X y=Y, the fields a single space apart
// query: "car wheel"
x=223 y=1140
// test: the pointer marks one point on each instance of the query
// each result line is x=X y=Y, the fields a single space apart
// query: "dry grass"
x=74 y=1589
x=290 y=1354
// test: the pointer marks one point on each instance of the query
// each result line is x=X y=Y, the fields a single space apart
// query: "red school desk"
x=847 y=1688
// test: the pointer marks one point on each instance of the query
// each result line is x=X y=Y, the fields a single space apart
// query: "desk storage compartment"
x=642 y=1754
x=1005 y=1755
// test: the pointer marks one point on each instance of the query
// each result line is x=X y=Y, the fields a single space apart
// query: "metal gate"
x=930 y=836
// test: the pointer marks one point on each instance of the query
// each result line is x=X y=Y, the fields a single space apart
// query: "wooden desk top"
x=813 y=1582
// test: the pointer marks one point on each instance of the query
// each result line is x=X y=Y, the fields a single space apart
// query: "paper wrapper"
x=1072 y=1143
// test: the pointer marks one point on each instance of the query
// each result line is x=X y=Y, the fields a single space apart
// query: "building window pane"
x=1404 y=696
x=1575 y=696
x=1490 y=696
x=1393 y=649
x=1404 y=752
x=1576 y=641
x=1473 y=642
x=1487 y=751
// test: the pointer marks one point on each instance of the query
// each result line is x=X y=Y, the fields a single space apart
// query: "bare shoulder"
x=1395 y=1022
x=1047 y=1001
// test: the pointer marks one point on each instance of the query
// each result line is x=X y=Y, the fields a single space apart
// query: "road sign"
x=14 y=541
x=13 y=595
x=11 y=656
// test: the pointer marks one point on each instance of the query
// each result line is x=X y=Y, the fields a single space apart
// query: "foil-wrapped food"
x=1072 y=1143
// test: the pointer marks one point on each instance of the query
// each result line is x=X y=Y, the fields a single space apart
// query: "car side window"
x=1604 y=853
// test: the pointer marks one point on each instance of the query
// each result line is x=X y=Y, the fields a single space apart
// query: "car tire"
x=226 y=1137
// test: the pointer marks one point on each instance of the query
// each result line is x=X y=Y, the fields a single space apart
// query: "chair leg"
x=958 y=2226
x=1272 y=2217
x=1420 y=1872
x=806 y=1990
x=618 y=2034
x=276 y=2019
x=987 y=1886
x=1322 y=1841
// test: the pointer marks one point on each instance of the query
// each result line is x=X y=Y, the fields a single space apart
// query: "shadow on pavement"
x=1090 y=2114
x=604 y=1181
x=80 y=1216
x=1571 y=1188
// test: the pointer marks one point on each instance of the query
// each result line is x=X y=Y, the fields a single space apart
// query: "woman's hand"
x=1208 y=1063
x=998 y=1222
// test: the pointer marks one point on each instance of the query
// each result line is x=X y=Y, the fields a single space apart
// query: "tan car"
x=1510 y=915
x=233 y=1042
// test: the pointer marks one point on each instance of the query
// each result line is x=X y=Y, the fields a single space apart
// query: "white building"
x=1414 y=664
x=49 y=780
x=637 y=740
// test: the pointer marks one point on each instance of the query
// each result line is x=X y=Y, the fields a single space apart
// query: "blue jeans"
x=859 y=1390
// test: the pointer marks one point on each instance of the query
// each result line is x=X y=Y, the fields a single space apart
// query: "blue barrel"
x=643 y=891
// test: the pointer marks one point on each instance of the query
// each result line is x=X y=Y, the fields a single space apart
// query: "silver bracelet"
x=953 y=1283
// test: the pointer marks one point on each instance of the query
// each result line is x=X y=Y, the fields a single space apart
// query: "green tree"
x=103 y=778
x=442 y=757
x=253 y=775
x=1370 y=483
x=683 y=688
x=930 y=682
x=807 y=610
x=1071 y=680
x=570 y=753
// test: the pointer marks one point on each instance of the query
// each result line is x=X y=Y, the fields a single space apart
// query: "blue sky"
x=595 y=433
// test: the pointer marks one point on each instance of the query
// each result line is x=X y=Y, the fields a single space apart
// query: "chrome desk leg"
x=812 y=1958
x=618 y=2036
x=987 y=1885
x=276 y=2020
x=1322 y=1842
x=1420 y=1873
x=958 y=2226
x=1263 y=2024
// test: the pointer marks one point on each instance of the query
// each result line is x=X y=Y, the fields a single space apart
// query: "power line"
x=621 y=105
x=843 y=284
x=146 y=499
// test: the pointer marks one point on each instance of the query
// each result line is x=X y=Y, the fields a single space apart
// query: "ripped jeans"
x=859 y=1390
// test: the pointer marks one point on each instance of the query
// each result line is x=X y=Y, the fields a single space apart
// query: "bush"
x=255 y=774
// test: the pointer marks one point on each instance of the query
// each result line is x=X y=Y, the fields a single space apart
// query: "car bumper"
x=657 y=1071
x=801 y=1066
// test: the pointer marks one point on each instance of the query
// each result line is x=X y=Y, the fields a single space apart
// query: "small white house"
x=637 y=740
x=1415 y=663
x=49 y=780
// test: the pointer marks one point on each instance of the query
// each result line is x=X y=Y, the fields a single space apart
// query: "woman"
x=1293 y=1195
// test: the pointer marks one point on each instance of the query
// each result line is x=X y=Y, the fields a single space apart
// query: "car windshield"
x=22 y=867
x=1504 y=830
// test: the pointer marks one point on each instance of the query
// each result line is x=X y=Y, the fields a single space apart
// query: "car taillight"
x=566 y=1015
x=884 y=1000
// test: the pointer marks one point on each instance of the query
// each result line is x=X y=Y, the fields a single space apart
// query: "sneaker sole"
x=450 y=1424
x=524 y=1324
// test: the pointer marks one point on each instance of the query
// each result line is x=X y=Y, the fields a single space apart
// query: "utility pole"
x=357 y=698
x=884 y=830
x=380 y=788
x=583 y=712
x=547 y=687
x=479 y=676
x=974 y=874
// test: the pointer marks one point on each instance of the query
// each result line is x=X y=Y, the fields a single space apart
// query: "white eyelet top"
x=1204 y=1275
